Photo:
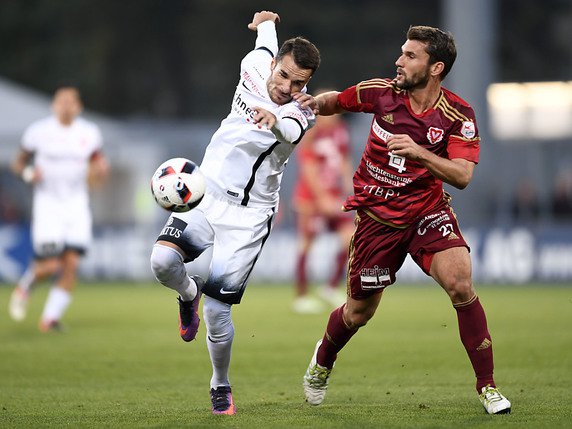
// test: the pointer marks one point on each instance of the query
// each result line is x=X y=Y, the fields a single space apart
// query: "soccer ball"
x=178 y=185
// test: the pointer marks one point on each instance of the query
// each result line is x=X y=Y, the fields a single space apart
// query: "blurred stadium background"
x=157 y=76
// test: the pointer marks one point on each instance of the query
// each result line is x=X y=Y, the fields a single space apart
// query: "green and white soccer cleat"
x=316 y=380
x=493 y=401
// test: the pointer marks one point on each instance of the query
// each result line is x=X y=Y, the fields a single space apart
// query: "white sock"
x=189 y=292
x=57 y=303
x=27 y=280
x=220 y=333
x=220 y=359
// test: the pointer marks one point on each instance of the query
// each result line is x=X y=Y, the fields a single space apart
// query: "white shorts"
x=57 y=227
x=236 y=234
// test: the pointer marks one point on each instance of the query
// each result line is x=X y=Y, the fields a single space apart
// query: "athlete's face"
x=66 y=105
x=286 y=78
x=413 y=68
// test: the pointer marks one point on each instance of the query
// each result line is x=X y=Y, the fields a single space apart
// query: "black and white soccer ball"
x=178 y=185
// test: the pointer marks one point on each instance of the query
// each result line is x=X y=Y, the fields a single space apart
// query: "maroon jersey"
x=391 y=188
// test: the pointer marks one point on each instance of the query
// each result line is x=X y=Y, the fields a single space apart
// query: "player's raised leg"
x=451 y=268
x=167 y=263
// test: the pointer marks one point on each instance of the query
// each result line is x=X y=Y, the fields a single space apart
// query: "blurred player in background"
x=421 y=136
x=243 y=166
x=61 y=157
x=324 y=179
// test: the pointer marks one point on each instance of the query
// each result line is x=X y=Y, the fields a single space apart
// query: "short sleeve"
x=464 y=141
x=364 y=96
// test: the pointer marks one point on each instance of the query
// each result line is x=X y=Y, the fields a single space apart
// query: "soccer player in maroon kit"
x=421 y=136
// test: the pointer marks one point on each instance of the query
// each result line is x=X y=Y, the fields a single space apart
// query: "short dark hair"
x=304 y=53
x=440 y=45
x=72 y=88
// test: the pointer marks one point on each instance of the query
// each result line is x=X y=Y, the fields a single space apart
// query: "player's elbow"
x=462 y=175
x=464 y=180
x=461 y=184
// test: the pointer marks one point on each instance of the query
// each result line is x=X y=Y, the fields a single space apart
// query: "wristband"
x=28 y=174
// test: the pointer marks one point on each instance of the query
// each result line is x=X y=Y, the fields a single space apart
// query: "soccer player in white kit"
x=59 y=155
x=243 y=166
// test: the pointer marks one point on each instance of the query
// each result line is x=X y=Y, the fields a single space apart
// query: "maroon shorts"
x=313 y=224
x=378 y=251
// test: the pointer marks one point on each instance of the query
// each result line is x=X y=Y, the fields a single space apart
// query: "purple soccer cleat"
x=188 y=313
x=221 y=398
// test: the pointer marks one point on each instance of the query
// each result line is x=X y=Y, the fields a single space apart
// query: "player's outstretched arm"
x=325 y=104
x=263 y=16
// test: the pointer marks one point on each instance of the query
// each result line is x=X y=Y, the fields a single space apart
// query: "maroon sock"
x=301 y=281
x=341 y=259
x=336 y=337
x=477 y=340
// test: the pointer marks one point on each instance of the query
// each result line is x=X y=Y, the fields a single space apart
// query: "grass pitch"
x=122 y=364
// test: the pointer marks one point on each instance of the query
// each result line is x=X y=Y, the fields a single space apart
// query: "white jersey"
x=62 y=154
x=61 y=217
x=242 y=162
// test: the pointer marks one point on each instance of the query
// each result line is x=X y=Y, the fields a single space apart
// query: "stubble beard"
x=417 y=81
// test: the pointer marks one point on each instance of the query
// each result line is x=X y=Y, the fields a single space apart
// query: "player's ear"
x=437 y=68
x=273 y=64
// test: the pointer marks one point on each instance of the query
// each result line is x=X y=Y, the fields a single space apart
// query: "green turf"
x=122 y=364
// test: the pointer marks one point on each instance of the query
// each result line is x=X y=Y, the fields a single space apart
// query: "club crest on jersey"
x=435 y=135
x=468 y=129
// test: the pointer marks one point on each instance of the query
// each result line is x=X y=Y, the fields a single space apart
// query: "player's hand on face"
x=403 y=145
x=262 y=16
x=306 y=101
x=263 y=118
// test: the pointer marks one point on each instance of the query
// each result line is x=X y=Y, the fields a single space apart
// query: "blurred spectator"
x=526 y=205
x=562 y=196
x=325 y=178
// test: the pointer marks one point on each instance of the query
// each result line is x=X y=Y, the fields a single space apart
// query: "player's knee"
x=355 y=320
x=217 y=316
x=47 y=267
x=460 y=290
x=165 y=262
